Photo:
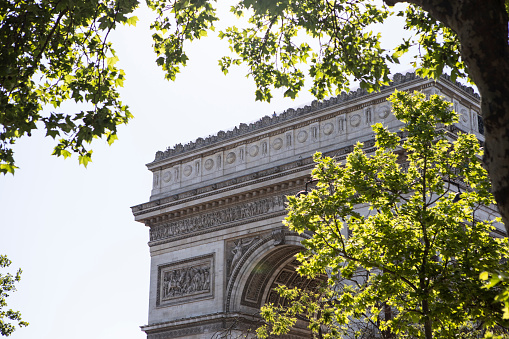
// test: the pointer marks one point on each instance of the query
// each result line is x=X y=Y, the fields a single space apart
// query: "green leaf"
x=131 y=21
x=85 y=159
x=112 y=61
x=111 y=138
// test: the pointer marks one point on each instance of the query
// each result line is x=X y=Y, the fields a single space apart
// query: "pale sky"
x=85 y=260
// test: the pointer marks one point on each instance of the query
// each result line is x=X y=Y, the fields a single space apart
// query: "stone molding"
x=186 y=327
x=212 y=324
x=291 y=113
x=224 y=186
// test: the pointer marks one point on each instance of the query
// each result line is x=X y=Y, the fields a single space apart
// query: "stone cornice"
x=299 y=121
x=290 y=114
x=251 y=179
x=211 y=190
x=194 y=320
x=243 y=181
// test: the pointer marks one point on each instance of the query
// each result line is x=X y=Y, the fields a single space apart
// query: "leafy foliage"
x=53 y=52
x=400 y=234
x=7 y=282
x=340 y=42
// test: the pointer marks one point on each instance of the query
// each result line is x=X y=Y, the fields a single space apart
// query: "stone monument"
x=217 y=243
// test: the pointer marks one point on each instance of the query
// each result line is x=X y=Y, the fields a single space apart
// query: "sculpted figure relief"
x=185 y=281
x=240 y=248
x=216 y=218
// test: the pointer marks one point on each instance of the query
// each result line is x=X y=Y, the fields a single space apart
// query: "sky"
x=85 y=260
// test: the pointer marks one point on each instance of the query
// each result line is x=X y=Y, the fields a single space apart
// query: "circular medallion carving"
x=277 y=144
x=230 y=158
x=188 y=170
x=253 y=151
x=383 y=112
x=464 y=115
x=209 y=163
x=167 y=176
x=355 y=120
x=328 y=129
x=302 y=136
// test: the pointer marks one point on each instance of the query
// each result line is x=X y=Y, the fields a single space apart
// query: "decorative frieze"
x=219 y=217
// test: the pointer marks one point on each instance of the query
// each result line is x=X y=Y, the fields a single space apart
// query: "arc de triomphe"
x=217 y=243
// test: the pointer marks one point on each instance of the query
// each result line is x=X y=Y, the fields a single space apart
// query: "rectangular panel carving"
x=185 y=281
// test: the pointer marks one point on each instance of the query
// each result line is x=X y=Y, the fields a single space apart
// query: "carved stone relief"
x=216 y=218
x=241 y=154
x=383 y=111
x=156 y=180
x=209 y=164
x=188 y=170
x=277 y=144
x=302 y=136
x=367 y=114
x=243 y=180
x=185 y=280
x=253 y=151
x=314 y=132
x=328 y=128
x=265 y=148
x=197 y=168
x=464 y=117
x=288 y=140
x=230 y=158
x=341 y=124
x=167 y=176
x=279 y=237
x=355 y=120
x=456 y=105
x=235 y=249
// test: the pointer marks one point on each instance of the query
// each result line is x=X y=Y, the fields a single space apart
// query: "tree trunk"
x=428 y=331
x=485 y=49
x=481 y=26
